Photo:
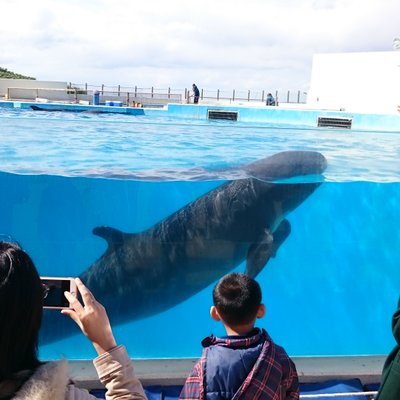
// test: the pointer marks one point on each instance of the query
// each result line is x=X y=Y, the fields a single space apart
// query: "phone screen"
x=54 y=292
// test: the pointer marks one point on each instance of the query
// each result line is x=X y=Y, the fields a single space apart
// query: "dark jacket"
x=196 y=91
x=390 y=382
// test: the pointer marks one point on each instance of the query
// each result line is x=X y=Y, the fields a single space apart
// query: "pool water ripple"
x=146 y=147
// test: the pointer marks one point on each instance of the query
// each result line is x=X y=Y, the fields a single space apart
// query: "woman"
x=22 y=375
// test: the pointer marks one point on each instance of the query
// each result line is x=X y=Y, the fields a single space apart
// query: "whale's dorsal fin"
x=113 y=236
x=260 y=252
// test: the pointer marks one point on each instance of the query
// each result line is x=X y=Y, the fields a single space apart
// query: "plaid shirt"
x=273 y=376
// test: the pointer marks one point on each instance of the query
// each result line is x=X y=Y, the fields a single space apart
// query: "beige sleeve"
x=115 y=370
x=75 y=393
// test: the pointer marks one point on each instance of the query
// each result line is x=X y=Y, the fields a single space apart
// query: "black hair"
x=21 y=302
x=237 y=298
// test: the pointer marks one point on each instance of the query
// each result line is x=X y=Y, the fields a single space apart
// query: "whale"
x=66 y=109
x=144 y=273
x=244 y=220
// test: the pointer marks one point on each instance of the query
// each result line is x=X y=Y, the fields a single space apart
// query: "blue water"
x=334 y=284
x=154 y=148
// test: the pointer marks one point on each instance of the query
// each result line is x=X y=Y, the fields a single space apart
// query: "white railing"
x=75 y=93
x=370 y=394
x=206 y=95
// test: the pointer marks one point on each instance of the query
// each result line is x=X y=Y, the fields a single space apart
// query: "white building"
x=356 y=82
x=28 y=87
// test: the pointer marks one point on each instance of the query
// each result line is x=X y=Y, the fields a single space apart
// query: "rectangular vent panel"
x=223 y=114
x=335 y=122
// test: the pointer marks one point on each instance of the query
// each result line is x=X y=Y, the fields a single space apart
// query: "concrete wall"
x=279 y=116
x=168 y=372
x=269 y=116
x=29 y=83
x=33 y=90
x=359 y=82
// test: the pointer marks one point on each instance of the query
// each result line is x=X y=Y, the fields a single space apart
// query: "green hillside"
x=6 y=74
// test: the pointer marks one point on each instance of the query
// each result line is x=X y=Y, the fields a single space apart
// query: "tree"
x=6 y=74
x=396 y=43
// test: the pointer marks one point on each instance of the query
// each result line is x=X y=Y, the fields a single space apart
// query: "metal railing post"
x=288 y=96
x=152 y=92
x=233 y=95
x=248 y=95
x=262 y=96
x=135 y=92
x=102 y=89
x=217 y=94
x=119 y=90
x=169 y=93
x=201 y=95
x=298 y=97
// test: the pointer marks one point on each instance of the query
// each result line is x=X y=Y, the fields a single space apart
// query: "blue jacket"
x=228 y=367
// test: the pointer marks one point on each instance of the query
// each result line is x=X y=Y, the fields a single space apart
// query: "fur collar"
x=48 y=382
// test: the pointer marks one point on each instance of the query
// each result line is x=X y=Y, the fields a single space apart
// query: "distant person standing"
x=196 y=94
x=270 y=100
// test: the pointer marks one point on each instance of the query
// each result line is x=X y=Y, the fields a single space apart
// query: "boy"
x=246 y=364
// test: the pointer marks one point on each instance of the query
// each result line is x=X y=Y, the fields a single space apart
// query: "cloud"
x=226 y=44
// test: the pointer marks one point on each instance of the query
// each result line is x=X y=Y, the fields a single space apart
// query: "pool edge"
x=168 y=372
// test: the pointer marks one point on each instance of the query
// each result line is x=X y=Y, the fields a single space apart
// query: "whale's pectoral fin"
x=260 y=252
x=114 y=237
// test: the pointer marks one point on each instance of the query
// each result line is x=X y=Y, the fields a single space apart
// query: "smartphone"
x=53 y=291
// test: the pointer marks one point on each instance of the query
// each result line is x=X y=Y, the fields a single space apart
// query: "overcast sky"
x=252 y=44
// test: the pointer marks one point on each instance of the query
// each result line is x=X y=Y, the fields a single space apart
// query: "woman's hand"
x=91 y=318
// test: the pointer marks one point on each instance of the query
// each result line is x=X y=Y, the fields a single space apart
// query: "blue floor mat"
x=329 y=387
x=98 y=393
x=163 y=392
x=372 y=387
x=152 y=392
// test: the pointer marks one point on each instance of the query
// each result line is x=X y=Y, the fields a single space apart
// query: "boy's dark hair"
x=237 y=298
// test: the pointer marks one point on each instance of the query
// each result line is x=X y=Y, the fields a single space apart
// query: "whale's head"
x=284 y=180
x=287 y=164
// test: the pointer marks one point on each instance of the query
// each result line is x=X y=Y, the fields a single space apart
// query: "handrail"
x=76 y=92
x=235 y=95
x=337 y=395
